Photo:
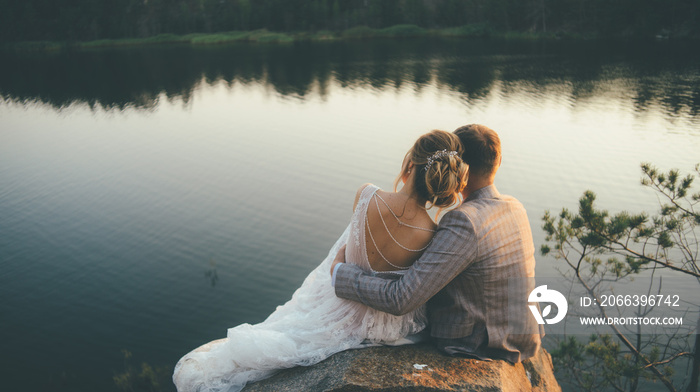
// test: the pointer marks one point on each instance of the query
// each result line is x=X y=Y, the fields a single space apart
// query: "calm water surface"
x=152 y=198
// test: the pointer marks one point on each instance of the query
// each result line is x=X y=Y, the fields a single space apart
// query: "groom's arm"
x=453 y=248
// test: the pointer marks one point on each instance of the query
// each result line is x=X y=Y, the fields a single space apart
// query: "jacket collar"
x=487 y=192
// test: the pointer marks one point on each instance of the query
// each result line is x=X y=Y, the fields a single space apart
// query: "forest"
x=85 y=20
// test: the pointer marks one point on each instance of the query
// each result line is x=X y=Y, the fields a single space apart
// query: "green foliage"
x=88 y=20
x=260 y=36
x=323 y=35
x=595 y=230
x=403 y=30
x=397 y=31
x=267 y=36
x=158 y=39
x=143 y=379
x=221 y=38
x=631 y=243
x=480 y=30
x=597 y=364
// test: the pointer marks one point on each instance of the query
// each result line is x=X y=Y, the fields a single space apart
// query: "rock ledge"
x=414 y=368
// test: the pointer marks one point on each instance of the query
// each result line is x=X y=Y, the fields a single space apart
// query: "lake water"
x=151 y=198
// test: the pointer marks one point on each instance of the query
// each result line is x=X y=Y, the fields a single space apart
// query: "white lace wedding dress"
x=312 y=326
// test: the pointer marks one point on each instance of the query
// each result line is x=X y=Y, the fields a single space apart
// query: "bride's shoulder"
x=361 y=189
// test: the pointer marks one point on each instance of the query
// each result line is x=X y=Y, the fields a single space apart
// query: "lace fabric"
x=313 y=325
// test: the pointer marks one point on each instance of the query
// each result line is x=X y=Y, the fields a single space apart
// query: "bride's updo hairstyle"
x=440 y=173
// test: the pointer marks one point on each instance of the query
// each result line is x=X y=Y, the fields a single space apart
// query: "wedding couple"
x=394 y=272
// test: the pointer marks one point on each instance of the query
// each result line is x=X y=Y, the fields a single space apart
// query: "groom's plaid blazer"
x=464 y=276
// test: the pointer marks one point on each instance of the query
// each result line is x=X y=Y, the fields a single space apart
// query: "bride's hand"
x=339 y=258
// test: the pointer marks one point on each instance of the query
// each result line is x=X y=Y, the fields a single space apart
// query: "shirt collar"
x=487 y=192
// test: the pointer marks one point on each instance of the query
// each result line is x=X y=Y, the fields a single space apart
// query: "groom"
x=464 y=274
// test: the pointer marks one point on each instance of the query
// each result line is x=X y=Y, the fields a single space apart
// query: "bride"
x=388 y=231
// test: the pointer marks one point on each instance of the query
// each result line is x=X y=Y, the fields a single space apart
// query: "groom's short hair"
x=482 y=148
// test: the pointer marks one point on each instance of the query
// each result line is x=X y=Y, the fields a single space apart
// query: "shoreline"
x=263 y=36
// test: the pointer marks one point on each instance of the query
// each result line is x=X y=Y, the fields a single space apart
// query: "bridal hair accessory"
x=438 y=155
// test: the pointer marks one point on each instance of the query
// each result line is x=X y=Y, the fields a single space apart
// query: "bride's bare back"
x=397 y=230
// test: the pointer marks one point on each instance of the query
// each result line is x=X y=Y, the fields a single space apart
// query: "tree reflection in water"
x=661 y=75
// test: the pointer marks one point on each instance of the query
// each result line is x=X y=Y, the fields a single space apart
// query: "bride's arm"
x=452 y=250
x=339 y=258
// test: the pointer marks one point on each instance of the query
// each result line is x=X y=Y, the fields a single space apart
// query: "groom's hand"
x=339 y=258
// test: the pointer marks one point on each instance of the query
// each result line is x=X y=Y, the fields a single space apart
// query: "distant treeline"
x=84 y=20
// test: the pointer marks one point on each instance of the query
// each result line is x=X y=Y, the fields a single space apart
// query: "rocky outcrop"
x=414 y=368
